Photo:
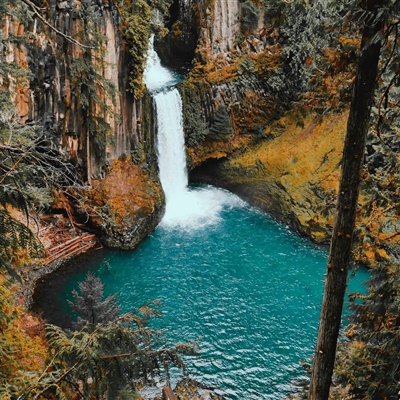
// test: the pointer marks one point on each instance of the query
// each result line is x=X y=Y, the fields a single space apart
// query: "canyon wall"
x=265 y=116
x=59 y=95
x=77 y=91
x=265 y=95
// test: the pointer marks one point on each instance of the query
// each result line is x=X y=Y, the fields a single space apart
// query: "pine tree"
x=341 y=243
x=90 y=307
x=369 y=364
x=110 y=354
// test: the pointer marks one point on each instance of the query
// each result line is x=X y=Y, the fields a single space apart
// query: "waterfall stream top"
x=157 y=77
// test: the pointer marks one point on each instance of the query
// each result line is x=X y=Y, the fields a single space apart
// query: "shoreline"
x=63 y=242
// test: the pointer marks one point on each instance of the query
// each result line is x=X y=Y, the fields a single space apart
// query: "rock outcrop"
x=290 y=174
x=263 y=111
x=265 y=116
x=126 y=205
x=81 y=95
x=225 y=25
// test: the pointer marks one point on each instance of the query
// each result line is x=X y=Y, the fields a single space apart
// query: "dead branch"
x=70 y=39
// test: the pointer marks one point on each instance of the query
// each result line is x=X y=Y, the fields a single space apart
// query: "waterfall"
x=171 y=148
x=185 y=207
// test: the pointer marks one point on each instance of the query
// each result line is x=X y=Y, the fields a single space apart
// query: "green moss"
x=135 y=28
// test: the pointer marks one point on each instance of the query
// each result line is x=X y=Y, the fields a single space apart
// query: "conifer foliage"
x=108 y=357
x=90 y=307
x=369 y=364
x=110 y=354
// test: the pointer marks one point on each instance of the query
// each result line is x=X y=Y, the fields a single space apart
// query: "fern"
x=16 y=237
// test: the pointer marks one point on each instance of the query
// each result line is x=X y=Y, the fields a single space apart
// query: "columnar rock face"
x=257 y=124
x=14 y=54
x=59 y=95
x=225 y=25
x=248 y=70
x=78 y=92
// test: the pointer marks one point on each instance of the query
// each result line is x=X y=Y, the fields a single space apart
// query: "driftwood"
x=72 y=247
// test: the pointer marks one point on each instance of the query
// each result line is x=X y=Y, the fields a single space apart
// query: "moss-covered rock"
x=128 y=204
x=294 y=175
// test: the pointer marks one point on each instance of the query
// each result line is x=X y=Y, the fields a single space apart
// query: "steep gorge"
x=269 y=123
x=264 y=110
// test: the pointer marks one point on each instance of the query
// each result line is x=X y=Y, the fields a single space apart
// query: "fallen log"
x=74 y=239
x=72 y=247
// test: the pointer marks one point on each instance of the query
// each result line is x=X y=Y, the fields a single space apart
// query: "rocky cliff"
x=59 y=94
x=265 y=116
x=265 y=97
x=78 y=89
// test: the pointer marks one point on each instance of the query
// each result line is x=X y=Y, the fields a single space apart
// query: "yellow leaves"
x=177 y=29
x=330 y=54
x=268 y=61
x=382 y=254
x=369 y=255
x=22 y=350
x=350 y=41
x=222 y=68
x=215 y=71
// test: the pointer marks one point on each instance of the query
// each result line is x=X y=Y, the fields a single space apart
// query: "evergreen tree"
x=376 y=13
x=369 y=364
x=90 y=307
x=109 y=357
x=111 y=354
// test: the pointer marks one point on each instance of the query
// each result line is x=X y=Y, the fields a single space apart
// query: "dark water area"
x=242 y=285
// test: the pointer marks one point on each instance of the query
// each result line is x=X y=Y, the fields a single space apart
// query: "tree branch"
x=70 y=39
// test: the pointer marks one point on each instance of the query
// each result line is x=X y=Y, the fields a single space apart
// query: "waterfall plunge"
x=185 y=208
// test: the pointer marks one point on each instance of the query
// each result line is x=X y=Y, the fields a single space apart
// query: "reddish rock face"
x=90 y=128
x=127 y=205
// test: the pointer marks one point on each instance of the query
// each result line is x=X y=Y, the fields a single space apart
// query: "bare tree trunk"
x=88 y=160
x=341 y=243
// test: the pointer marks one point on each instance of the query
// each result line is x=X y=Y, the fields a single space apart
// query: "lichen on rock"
x=294 y=175
x=127 y=204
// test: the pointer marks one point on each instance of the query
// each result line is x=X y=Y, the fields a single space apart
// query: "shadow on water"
x=48 y=298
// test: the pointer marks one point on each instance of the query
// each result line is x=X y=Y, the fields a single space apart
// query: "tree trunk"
x=341 y=243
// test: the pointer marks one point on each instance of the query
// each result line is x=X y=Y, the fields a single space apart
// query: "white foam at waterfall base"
x=185 y=208
x=198 y=208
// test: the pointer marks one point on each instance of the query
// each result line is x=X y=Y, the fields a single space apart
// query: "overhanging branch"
x=70 y=39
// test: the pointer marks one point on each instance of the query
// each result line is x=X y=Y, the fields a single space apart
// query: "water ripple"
x=246 y=288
